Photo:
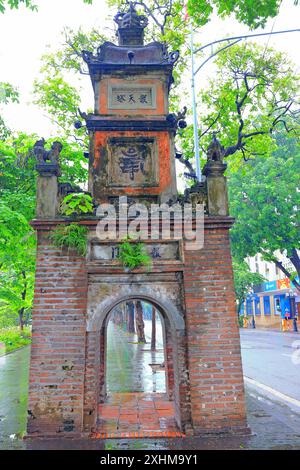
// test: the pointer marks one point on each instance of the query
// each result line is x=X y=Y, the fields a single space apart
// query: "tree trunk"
x=140 y=326
x=21 y=322
x=239 y=306
x=295 y=259
x=23 y=295
x=153 y=332
x=124 y=315
x=130 y=317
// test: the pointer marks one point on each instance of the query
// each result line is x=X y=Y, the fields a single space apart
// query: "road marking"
x=274 y=392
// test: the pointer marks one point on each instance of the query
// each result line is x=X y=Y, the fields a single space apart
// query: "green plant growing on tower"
x=77 y=204
x=133 y=254
x=72 y=237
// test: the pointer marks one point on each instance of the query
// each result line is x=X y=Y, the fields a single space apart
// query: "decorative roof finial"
x=131 y=27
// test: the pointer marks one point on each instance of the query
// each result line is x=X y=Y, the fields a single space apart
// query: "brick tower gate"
x=132 y=155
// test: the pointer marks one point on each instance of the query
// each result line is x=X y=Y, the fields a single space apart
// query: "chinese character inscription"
x=131 y=98
x=132 y=162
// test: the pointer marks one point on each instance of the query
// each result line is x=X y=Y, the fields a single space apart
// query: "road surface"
x=271 y=364
x=272 y=392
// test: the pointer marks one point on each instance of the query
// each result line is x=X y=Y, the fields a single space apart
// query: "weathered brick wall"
x=67 y=374
x=177 y=375
x=94 y=379
x=182 y=387
x=169 y=362
x=58 y=342
x=214 y=359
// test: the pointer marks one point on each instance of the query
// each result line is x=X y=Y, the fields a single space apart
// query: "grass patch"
x=11 y=339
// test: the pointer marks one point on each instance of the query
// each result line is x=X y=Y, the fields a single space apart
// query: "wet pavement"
x=137 y=403
x=272 y=358
x=128 y=362
x=273 y=422
x=14 y=370
x=137 y=415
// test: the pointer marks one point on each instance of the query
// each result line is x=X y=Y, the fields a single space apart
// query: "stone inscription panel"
x=158 y=251
x=132 y=162
x=131 y=97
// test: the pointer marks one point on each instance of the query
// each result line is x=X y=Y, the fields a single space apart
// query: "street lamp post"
x=293 y=309
x=195 y=117
x=253 y=311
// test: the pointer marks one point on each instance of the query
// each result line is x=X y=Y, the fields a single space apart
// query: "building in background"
x=272 y=300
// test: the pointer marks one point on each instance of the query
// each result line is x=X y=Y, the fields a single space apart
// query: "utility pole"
x=194 y=104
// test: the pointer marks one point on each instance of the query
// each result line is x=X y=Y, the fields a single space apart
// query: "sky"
x=26 y=35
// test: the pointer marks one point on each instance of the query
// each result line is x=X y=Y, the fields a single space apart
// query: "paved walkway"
x=132 y=415
x=274 y=424
x=128 y=362
x=137 y=402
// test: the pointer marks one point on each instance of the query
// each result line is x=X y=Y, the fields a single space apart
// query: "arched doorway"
x=137 y=371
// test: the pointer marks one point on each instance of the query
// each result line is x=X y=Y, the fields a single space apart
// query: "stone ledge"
x=210 y=222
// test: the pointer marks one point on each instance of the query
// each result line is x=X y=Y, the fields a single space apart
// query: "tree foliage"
x=8 y=94
x=255 y=91
x=17 y=208
x=17 y=240
x=15 y=4
x=164 y=12
x=53 y=91
x=253 y=14
x=266 y=205
x=244 y=281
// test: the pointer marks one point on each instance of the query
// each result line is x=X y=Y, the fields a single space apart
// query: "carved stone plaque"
x=157 y=251
x=131 y=97
x=132 y=162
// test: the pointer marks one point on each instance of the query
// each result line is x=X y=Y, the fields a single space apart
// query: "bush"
x=133 y=255
x=77 y=204
x=71 y=236
x=12 y=338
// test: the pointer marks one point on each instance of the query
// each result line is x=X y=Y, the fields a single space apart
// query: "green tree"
x=17 y=208
x=8 y=94
x=17 y=241
x=53 y=91
x=266 y=206
x=164 y=13
x=15 y=4
x=244 y=281
x=253 y=14
x=255 y=91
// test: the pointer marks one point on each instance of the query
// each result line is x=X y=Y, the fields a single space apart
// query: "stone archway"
x=132 y=399
x=171 y=310
x=168 y=349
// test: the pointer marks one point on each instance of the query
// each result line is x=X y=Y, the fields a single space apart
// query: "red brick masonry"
x=62 y=381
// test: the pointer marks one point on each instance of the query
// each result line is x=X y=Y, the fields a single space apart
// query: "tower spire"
x=130 y=27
